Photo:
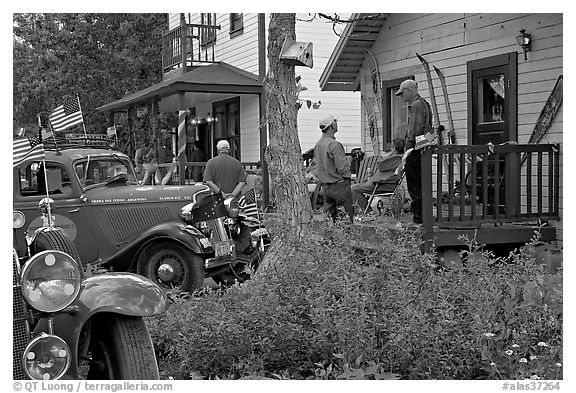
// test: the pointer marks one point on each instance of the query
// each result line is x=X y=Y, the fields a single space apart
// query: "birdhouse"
x=296 y=53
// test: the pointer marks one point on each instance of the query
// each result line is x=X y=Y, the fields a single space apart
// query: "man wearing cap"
x=333 y=169
x=419 y=123
x=225 y=173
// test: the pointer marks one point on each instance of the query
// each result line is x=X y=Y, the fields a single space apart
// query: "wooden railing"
x=191 y=34
x=470 y=185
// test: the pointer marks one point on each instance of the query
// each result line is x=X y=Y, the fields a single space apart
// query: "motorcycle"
x=239 y=240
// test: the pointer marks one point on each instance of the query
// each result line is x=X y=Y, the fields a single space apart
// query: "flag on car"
x=26 y=149
x=66 y=115
x=47 y=134
x=247 y=203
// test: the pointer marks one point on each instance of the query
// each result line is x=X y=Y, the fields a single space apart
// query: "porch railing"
x=195 y=49
x=471 y=185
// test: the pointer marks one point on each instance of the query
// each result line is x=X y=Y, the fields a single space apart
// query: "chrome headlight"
x=186 y=211
x=51 y=281
x=18 y=219
x=46 y=357
x=232 y=207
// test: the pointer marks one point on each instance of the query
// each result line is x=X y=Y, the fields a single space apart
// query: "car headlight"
x=51 y=281
x=46 y=357
x=18 y=219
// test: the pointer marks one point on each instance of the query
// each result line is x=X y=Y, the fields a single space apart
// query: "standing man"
x=225 y=173
x=333 y=169
x=419 y=123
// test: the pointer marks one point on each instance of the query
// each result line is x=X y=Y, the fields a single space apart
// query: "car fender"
x=184 y=234
x=116 y=293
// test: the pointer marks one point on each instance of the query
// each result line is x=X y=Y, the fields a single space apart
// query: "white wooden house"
x=496 y=89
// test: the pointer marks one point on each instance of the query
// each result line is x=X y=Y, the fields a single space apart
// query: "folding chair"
x=395 y=197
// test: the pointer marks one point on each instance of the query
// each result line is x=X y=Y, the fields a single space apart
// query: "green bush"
x=327 y=311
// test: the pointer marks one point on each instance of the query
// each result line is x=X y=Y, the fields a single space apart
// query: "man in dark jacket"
x=333 y=170
x=419 y=124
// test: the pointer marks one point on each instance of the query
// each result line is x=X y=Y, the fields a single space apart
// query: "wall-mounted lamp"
x=525 y=41
x=210 y=119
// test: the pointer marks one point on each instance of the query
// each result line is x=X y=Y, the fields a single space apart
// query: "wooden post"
x=181 y=134
x=183 y=42
x=132 y=132
x=427 y=205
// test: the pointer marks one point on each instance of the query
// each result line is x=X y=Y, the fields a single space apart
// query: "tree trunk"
x=283 y=154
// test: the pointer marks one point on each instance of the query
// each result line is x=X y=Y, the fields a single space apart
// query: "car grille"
x=20 y=326
x=218 y=230
x=129 y=221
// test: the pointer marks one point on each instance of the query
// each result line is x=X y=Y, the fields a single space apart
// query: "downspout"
x=262 y=106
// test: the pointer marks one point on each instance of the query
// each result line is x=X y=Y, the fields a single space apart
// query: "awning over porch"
x=343 y=68
x=213 y=78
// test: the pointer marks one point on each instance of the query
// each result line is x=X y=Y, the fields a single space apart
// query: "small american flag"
x=66 y=115
x=247 y=203
x=27 y=149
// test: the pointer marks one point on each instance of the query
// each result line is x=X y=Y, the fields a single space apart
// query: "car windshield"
x=99 y=170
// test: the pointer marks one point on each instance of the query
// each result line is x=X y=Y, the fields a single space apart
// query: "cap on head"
x=407 y=84
x=223 y=144
x=325 y=122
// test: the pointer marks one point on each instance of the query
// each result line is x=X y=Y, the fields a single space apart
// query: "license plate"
x=259 y=232
x=222 y=248
x=205 y=242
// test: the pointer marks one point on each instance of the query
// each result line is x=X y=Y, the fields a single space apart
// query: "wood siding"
x=242 y=52
x=449 y=41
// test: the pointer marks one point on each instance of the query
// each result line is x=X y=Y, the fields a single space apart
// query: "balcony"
x=197 y=41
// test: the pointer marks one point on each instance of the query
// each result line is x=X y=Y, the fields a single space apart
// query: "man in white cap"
x=419 y=123
x=333 y=169
x=225 y=173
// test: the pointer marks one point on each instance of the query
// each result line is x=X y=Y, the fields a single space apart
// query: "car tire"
x=171 y=266
x=120 y=348
x=54 y=239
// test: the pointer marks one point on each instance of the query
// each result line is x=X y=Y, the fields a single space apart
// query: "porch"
x=497 y=194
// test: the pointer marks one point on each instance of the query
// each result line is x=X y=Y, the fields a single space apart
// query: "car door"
x=29 y=189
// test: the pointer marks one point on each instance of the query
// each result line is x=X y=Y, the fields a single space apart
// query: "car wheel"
x=54 y=239
x=171 y=266
x=120 y=348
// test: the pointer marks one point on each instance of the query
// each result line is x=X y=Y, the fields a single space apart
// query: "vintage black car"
x=68 y=326
x=121 y=225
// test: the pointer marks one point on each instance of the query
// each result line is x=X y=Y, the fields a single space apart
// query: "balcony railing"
x=473 y=185
x=190 y=40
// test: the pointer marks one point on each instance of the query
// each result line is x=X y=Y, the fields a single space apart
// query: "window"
x=395 y=112
x=208 y=35
x=236 y=24
x=227 y=124
x=33 y=180
x=492 y=99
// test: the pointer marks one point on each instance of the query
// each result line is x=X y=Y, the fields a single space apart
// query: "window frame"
x=506 y=64
x=387 y=87
x=207 y=36
x=236 y=30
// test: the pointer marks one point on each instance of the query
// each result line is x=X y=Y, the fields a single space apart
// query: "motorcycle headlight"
x=46 y=357
x=18 y=219
x=51 y=281
x=232 y=207
x=186 y=212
